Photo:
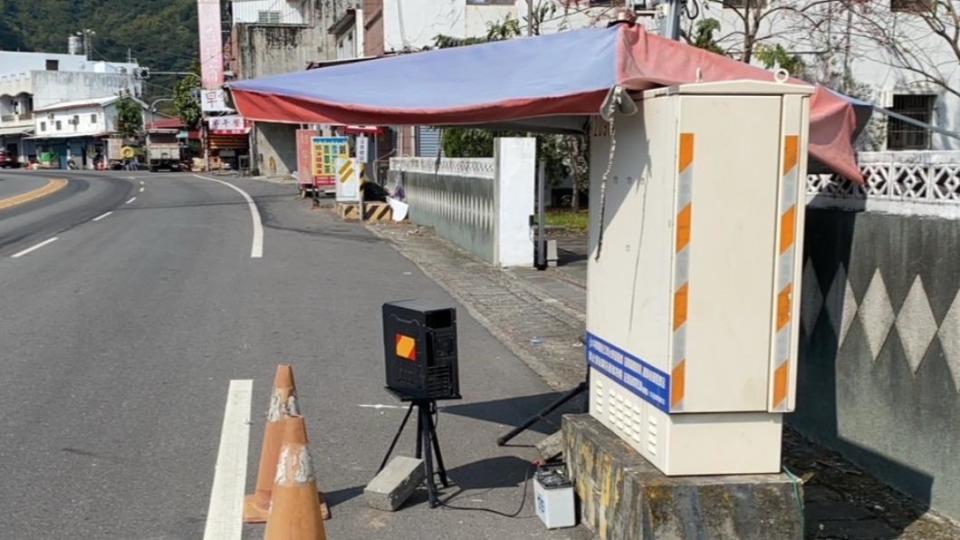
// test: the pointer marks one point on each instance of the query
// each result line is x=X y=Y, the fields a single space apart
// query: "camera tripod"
x=428 y=445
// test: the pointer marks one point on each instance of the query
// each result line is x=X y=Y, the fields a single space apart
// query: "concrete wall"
x=50 y=87
x=879 y=371
x=276 y=148
x=477 y=18
x=516 y=183
x=263 y=50
x=273 y=50
x=413 y=24
x=288 y=11
x=373 y=27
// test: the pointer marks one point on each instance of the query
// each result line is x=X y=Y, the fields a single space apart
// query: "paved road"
x=120 y=338
x=13 y=184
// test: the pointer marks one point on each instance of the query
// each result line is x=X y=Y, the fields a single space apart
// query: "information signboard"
x=326 y=151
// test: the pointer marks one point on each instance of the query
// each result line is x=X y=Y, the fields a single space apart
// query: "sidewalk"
x=539 y=316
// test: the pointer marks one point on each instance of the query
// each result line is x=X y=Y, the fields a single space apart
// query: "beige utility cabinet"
x=692 y=304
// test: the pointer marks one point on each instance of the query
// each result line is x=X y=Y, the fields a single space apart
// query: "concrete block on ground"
x=392 y=486
x=551 y=446
x=553 y=253
x=622 y=496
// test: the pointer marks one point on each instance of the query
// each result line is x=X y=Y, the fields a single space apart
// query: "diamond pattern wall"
x=915 y=324
x=914 y=320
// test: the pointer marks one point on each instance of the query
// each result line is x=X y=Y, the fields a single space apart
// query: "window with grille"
x=904 y=135
x=93 y=118
x=742 y=4
x=268 y=17
x=911 y=6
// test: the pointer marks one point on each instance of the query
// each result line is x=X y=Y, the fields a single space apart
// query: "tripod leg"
x=420 y=428
x=428 y=455
x=436 y=450
x=582 y=387
x=396 y=438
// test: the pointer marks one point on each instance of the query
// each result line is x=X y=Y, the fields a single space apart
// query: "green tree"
x=185 y=101
x=704 y=35
x=778 y=56
x=129 y=118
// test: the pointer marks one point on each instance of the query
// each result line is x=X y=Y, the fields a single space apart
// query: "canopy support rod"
x=915 y=122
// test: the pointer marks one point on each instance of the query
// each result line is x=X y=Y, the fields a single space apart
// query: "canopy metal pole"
x=915 y=122
x=541 y=216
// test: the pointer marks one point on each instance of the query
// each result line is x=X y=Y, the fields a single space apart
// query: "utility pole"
x=669 y=12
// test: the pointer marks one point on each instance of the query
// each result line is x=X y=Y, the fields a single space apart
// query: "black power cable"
x=523 y=498
x=523 y=501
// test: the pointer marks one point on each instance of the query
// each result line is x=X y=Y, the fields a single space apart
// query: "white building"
x=76 y=130
x=31 y=81
x=409 y=25
x=831 y=39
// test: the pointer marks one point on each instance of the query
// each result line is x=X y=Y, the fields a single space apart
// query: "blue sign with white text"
x=632 y=373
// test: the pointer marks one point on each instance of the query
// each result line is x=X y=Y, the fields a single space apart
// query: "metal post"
x=671 y=24
x=541 y=216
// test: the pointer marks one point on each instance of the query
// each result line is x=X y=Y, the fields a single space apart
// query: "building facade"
x=270 y=38
x=881 y=51
x=72 y=134
x=30 y=81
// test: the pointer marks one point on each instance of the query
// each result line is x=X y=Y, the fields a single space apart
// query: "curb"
x=52 y=187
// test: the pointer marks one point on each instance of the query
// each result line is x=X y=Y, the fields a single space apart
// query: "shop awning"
x=16 y=130
x=52 y=136
x=559 y=75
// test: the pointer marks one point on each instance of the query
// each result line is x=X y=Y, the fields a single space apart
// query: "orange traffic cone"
x=283 y=404
x=295 y=512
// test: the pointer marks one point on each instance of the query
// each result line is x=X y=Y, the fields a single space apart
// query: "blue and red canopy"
x=558 y=75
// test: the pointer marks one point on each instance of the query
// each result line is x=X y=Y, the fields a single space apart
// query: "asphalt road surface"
x=119 y=340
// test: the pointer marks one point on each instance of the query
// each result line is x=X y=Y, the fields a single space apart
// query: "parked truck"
x=163 y=150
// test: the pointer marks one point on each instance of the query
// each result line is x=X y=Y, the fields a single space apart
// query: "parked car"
x=8 y=160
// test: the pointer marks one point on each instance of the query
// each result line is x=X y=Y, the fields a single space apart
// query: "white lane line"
x=225 y=513
x=141 y=190
x=379 y=406
x=34 y=248
x=131 y=200
x=141 y=182
x=256 y=249
x=101 y=216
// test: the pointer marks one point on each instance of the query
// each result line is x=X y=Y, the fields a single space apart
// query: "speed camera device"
x=420 y=350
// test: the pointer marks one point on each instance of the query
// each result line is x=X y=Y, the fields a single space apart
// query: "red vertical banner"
x=305 y=155
x=211 y=43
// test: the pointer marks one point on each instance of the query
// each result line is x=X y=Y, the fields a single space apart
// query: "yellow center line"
x=52 y=187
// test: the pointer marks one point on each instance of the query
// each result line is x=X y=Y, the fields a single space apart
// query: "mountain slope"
x=160 y=34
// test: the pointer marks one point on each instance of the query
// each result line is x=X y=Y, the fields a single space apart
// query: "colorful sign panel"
x=326 y=151
x=211 y=44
